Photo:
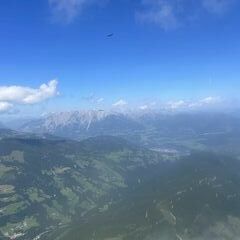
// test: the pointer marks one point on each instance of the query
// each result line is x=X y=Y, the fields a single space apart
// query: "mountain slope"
x=195 y=198
x=45 y=183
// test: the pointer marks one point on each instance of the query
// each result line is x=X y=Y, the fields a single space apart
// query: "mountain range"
x=155 y=130
x=86 y=123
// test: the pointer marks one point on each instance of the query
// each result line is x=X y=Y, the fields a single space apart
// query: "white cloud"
x=205 y=102
x=147 y=106
x=170 y=14
x=210 y=100
x=217 y=6
x=158 y=12
x=27 y=95
x=66 y=11
x=144 y=107
x=5 y=106
x=12 y=95
x=176 y=104
x=120 y=103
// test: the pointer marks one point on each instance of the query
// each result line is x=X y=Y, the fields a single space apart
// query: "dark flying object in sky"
x=110 y=35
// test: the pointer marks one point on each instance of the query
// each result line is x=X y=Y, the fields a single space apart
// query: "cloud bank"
x=14 y=95
x=207 y=102
x=210 y=102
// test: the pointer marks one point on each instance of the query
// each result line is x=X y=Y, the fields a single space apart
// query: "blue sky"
x=161 y=51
